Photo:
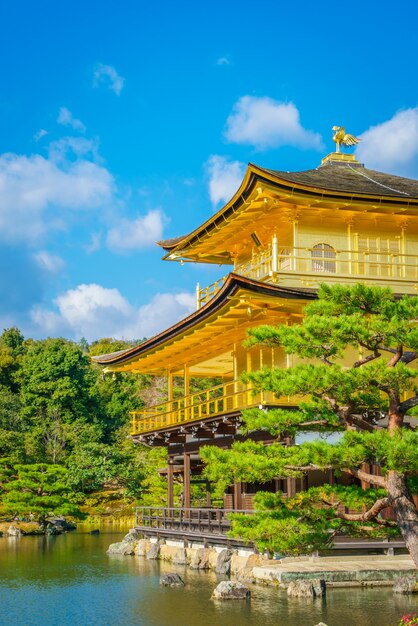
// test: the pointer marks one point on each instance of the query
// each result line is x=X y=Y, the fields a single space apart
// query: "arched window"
x=284 y=259
x=323 y=258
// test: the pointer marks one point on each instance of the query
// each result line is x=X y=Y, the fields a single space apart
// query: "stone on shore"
x=154 y=551
x=142 y=547
x=133 y=536
x=126 y=548
x=405 y=585
x=180 y=557
x=14 y=531
x=171 y=580
x=314 y=588
x=200 y=559
x=223 y=562
x=230 y=590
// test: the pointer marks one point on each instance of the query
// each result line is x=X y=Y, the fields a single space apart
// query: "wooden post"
x=237 y=496
x=170 y=386
x=186 y=381
x=291 y=486
x=274 y=255
x=186 y=482
x=170 y=492
x=208 y=495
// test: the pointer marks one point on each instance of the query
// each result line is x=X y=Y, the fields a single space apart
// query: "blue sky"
x=122 y=123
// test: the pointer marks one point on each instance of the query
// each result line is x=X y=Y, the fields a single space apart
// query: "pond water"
x=70 y=581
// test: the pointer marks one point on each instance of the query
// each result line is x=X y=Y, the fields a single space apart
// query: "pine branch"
x=408 y=404
x=362 y=423
x=367 y=359
x=367 y=516
x=396 y=357
x=307 y=468
x=371 y=479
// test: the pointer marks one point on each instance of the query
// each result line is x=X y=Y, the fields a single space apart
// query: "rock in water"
x=223 y=562
x=153 y=552
x=171 y=580
x=14 y=531
x=200 y=559
x=132 y=537
x=95 y=531
x=314 y=588
x=126 y=548
x=180 y=557
x=405 y=585
x=230 y=590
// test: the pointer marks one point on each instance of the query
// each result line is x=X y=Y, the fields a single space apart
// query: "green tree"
x=41 y=489
x=12 y=348
x=360 y=345
x=56 y=377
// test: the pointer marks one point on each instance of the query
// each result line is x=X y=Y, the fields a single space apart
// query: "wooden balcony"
x=221 y=400
x=188 y=523
x=309 y=267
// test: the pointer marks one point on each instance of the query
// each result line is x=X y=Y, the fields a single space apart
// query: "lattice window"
x=323 y=258
x=378 y=256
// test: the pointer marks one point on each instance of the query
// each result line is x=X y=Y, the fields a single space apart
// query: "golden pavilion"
x=281 y=235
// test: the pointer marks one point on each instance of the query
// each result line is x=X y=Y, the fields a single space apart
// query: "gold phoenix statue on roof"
x=341 y=137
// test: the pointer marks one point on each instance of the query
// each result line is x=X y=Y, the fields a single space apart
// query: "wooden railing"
x=213 y=524
x=184 y=520
x=311 y=266
x=218 y=400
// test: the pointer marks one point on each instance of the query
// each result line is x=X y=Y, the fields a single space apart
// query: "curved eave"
x=237 y=200
x=232 y=285
x=255 y=174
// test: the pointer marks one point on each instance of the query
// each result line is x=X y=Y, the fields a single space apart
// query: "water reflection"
x=69 y=580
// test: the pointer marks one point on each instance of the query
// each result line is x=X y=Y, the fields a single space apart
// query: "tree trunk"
x=405 y=511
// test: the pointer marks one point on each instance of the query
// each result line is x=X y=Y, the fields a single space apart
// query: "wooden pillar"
x=274 y=255
x=208 y=495
x=186 y=481
x=170 y=482
x=186 y=380
x=169 y=386
x=291 y=486
x=237 y=496
x=366 y=467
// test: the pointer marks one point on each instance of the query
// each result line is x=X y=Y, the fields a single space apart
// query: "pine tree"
x=357 y=349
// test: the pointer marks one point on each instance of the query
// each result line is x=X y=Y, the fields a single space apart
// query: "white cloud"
x=41 y=133
x=70 y=147
x=392 y=145
x=136 y=234
x=66 y=118
x=94 y=243
x=266 y=123
x=223 y=61
x=33 y=189
x=50 y=262
x=225 y=177
x=108 y=76
x=93 y=311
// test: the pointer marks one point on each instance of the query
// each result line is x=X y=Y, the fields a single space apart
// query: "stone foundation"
x=247 y=567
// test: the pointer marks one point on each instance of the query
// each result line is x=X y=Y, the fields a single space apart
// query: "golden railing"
x=219 y=400
x=310 y=266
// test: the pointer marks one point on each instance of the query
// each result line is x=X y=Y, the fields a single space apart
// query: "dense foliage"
x=355 y=374
x=64 y=428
